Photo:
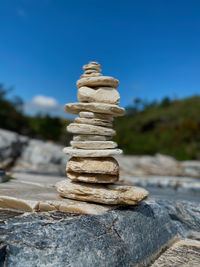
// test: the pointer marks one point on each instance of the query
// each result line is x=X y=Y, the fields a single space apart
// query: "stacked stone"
x=92 y=167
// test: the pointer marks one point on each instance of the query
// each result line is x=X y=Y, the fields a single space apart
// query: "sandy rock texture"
x=107 y=165
x=73 y=152
x=105 y=194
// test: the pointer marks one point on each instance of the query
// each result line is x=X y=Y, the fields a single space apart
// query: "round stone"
x=74 y=152
x=106 y=81
x=106 y=95
x=92 y=65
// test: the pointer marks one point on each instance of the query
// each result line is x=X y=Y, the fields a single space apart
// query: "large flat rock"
x=123 y=237
x=37 y=193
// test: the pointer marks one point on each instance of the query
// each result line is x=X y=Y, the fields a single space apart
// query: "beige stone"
x=98 y=122
x=92 y=65
x=107 y=165
x=90 y=137
x=93 y=144
x=77 y=128
x=106 y=194
x=36 y=193
x=92 y=115
x=74 y=152
x=111 y=109
x=98 y=81
x=83 y=76
x=89 y=71
x=101 y=95
x=92 y=178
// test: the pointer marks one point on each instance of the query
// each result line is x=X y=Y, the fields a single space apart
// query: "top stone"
x=92 y=66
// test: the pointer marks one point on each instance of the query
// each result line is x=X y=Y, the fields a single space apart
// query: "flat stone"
x=106 y=194
x=93 y=144
x=107 y=165
x=106 y=81
x=183 y=253
x=90 y=137
x=37 y=193
x=92 y=65
x=77 y=128
x=74 y=152
x=106 y=95
x=92 y=115
x=94 y=74
x=98 y=122
x=92 y=178
x=89 y=71
x=111 y=109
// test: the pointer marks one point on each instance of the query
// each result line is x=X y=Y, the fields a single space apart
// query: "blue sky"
x=152 y=47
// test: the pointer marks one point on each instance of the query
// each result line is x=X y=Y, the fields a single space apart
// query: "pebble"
x=92 y=178
x=97 y=122
x=90 y=137
x=78 y=128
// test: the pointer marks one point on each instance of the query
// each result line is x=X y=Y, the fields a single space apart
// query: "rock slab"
x=105 y=194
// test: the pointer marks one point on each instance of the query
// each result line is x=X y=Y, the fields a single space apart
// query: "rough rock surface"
x=92 y=178
x=111 y=109
x=93 y=165
x=93 y=144
x=123 y=237
x=98 y=95
x=98 y=81
x=105 y=194
x=77 y=128
x=92 y=152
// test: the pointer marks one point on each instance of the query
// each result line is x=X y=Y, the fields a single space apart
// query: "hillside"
x=170 y=127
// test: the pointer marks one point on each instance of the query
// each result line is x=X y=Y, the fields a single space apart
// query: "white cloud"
x=45 y=102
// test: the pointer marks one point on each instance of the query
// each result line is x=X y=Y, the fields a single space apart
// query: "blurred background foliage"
x=169 y=127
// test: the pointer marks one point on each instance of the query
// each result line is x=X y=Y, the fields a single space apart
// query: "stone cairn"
x=92 y=170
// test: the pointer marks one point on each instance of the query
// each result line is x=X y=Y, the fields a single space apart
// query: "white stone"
x=93 y=144
x=107 y=194
x=93 y=74
x=106 y=95
x=90 y=137
x=77 y=128
x=97 y=122
x=74 y=152
x=111 y=109
x=98 y=81
x=92 y=65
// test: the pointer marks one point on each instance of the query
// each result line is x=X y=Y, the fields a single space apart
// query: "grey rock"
x=3 y=177
x=11 y=145
x=43 y=157
x=123 y=237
